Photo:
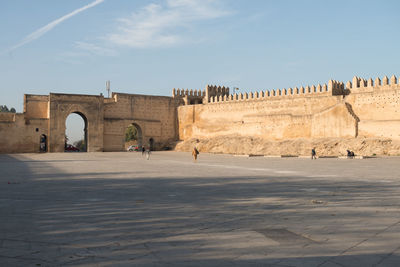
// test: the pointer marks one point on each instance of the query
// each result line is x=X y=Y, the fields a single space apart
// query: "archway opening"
x=133 y=138
x=76 y=133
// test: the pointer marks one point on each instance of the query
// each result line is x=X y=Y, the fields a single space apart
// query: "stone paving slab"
x=119 y=209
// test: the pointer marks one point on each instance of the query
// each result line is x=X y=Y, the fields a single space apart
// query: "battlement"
x=182 y=92
x=332 y=88
x=358 y=84
x=189 y=97
x=213 y=91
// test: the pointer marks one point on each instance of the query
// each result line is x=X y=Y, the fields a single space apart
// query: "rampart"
x=188 y=97
x=215 y=92
x=376 y=104
x=361 y=108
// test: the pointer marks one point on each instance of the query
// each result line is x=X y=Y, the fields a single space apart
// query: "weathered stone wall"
x=105 y=121
x=18 y=134
x=377 y=105
x=7 y=117
x=89 y=107
x=36 y=106
x=274 y=115
x=153 y=116
x=362 y=108
x=188 y=97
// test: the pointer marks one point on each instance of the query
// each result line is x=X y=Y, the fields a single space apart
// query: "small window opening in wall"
x=37 y=129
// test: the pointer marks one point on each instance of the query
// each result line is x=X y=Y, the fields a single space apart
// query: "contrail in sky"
x=38 y=33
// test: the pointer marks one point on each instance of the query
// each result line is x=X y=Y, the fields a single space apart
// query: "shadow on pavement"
x=51 y=219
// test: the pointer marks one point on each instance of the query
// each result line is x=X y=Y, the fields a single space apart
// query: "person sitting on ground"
x=350 y=154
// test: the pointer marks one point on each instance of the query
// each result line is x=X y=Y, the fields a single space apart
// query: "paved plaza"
x=119 y=209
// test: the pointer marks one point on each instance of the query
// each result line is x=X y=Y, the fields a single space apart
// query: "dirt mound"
x=296 y=147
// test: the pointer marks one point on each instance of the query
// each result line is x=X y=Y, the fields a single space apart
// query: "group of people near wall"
x=350 y=154
x=195 y=153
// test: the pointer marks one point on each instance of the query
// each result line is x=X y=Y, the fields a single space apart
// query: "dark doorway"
x=43 y=143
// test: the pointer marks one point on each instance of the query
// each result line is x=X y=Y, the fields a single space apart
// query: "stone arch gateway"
x=139 y=133
x=105 y=121
x=91 y=110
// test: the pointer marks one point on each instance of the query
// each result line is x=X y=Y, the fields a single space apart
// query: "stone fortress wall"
x=359 y=108
x=376 y=104
x=154 y=117
x=106 y=120
x=187 y=97
x=20 y=132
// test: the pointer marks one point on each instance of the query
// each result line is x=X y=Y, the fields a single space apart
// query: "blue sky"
x=150 y=47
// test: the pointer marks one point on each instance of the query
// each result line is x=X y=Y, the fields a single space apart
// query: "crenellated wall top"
x=332 y=88
x=217 y=94
x=358 y=84
x=186 y=92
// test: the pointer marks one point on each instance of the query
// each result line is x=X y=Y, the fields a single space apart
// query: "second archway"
x=133 y=137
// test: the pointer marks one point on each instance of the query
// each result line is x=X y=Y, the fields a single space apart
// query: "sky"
x=151 y=47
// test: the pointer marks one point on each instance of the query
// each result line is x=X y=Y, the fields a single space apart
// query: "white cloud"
x=95 y=49
x=38 y=33
x=164 y=24
x=83 y=51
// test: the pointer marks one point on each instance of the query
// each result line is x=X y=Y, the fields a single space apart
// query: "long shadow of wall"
x=53 y=218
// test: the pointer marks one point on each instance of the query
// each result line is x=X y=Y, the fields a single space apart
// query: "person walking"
x=195 y=152
x=148 y=153
x=313 y=153
x=143 y=150
x=42 y=143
